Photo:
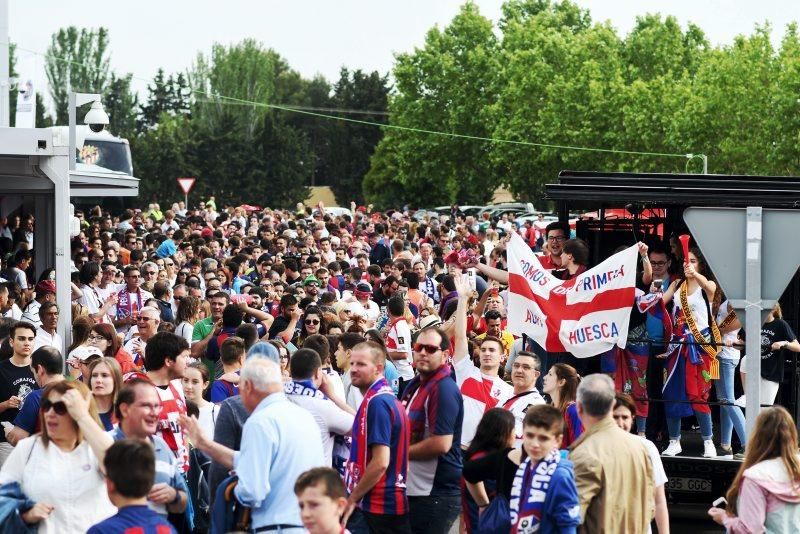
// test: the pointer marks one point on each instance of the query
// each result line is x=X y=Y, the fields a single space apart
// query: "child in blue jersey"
x=130 y=467
x=232 y=355
x=544 y=497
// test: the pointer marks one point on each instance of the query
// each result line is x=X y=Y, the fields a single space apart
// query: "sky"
x=321 y=36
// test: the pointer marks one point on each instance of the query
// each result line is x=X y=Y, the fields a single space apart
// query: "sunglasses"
x=150 y=272
x=428 y=349
x=312 y=321
x=59 y=407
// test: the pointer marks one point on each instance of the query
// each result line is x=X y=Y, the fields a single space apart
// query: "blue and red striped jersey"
x=387 y=424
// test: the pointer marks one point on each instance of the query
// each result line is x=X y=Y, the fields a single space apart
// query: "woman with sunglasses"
x=105 y=338
x=60 y=468
x=313 y=323
x=283 y=353
x=105 y=381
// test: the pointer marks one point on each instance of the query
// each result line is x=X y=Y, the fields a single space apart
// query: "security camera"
x=96 y=118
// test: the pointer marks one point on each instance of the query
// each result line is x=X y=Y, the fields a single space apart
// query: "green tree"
x=445 y=86
x=170 y=95
x=163 y=154
x=243 y=73
x=76 y=60
x=121 y=104
x=352 y=144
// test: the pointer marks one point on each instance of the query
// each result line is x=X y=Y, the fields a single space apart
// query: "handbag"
x=496 y=518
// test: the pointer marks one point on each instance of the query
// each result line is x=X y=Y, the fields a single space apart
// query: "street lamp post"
x=97 y=119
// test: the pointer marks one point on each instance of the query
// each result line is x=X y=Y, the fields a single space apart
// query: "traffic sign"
x=734 y=242
x=722 y=235
x=186 y=184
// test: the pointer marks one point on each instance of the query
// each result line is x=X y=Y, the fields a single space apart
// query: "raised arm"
x=461 y=348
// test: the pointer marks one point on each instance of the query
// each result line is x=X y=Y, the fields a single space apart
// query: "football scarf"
x=529 y=491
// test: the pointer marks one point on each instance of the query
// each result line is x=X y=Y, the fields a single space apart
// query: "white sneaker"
x=673 y=449
x=709 y=450
x=741 y=402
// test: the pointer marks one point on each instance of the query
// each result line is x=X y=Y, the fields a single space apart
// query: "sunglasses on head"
x=428 y=349
x=59 y=407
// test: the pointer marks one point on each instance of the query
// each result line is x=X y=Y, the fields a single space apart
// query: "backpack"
x=199 y=464
x=228 y=514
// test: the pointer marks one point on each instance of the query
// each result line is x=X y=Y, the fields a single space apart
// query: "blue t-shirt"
x=387 y=424
x=445 y=413
x=221 y=390
x=212 y=349
x=105 y=418
x=137 y=519
x=28 y=416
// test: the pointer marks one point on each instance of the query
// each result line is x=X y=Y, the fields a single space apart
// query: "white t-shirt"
x=69 y=481
x=330 y=418
x=481 y=393
x=659 y=475
x=518 y=405
x=727 y=353
x=398 y=339
x=208 y=418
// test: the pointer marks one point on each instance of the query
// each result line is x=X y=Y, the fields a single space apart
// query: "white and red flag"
x=584 y=316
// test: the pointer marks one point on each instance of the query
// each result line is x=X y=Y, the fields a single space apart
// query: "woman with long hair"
x=313 y=323
x=561 y=383
x=494 y=439
x=730 y=416
x=196 y=380
x=283 y=354
x=104 y=337
x=186 y=317
x=692 y=353
x=59 y=468
x=81 y=328
x=105 y=381
x=765 y=495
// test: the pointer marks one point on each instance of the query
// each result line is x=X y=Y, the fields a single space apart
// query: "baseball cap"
x=311 y=280
x=85 y=352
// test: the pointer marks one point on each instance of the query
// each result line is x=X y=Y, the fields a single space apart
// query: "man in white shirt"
x=525 y=372
x=310 y=389
x=482 y=388
x=398 y=337
x=46 y=335
x=45 y=292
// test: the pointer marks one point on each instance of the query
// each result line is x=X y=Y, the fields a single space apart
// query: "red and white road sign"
x=186 y=184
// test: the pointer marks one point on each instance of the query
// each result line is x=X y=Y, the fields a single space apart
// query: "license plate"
x=698 y=485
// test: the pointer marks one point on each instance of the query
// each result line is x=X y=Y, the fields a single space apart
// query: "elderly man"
x=147 y=322
x=612 y=468
x=279 y=442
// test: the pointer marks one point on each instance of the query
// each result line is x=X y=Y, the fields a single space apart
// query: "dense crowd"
x=276 y=371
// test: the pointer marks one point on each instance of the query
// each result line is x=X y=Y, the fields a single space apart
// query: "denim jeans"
x=641 y=424
x=730 y=416
x=706 y=430
x=433 y=514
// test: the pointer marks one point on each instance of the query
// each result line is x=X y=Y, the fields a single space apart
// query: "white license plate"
x=698 y=485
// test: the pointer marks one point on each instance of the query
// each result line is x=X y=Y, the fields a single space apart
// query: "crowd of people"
x=277 y=371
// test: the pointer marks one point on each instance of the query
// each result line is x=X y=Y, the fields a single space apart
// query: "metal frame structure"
x=35 y=162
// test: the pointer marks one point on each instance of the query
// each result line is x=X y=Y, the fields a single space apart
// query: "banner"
x=584 y=316
x=26 y=105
